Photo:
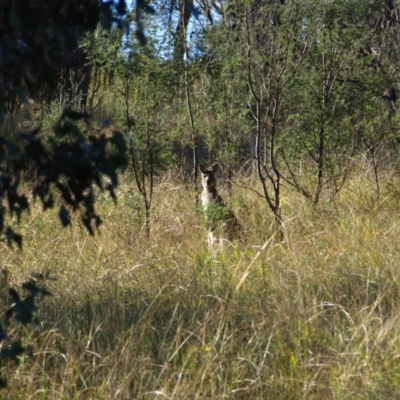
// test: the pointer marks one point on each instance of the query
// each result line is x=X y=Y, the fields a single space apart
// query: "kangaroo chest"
x=209 y=197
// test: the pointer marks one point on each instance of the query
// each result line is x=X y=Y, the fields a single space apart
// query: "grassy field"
x=313 y=317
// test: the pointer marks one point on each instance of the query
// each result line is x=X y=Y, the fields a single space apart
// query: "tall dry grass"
x=313 y=317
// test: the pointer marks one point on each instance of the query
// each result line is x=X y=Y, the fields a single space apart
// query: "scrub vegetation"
x=109 y=289
x=313 y=316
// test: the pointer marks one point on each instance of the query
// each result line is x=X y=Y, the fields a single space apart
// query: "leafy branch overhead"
x=70 y=161
x=38 y=42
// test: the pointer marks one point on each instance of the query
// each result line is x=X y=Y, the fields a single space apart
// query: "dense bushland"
x=297 y=101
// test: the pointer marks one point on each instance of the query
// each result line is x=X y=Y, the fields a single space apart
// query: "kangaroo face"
x=208 y=179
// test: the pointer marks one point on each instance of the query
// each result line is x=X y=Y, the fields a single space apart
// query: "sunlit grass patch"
x=131 y=316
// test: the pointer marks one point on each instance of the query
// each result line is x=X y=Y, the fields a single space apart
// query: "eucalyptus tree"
x=349 y=96
x=140 y=83
x=260 y=49
x=333 y=99
x=147 y=121
x=309 y=76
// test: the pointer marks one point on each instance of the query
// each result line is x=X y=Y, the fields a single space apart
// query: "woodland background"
x=106 y=112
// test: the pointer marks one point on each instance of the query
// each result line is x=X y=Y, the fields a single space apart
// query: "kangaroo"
x=220 y=218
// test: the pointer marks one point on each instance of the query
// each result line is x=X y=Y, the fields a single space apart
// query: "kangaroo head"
x=208 y=179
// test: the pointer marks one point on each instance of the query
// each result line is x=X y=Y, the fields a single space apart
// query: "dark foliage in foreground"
x=17 y=309
x=70 y=162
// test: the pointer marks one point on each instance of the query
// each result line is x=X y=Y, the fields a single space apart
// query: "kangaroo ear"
x=214 y=167
x=202 y=168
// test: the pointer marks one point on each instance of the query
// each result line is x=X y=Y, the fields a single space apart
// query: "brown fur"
x=210 y=197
